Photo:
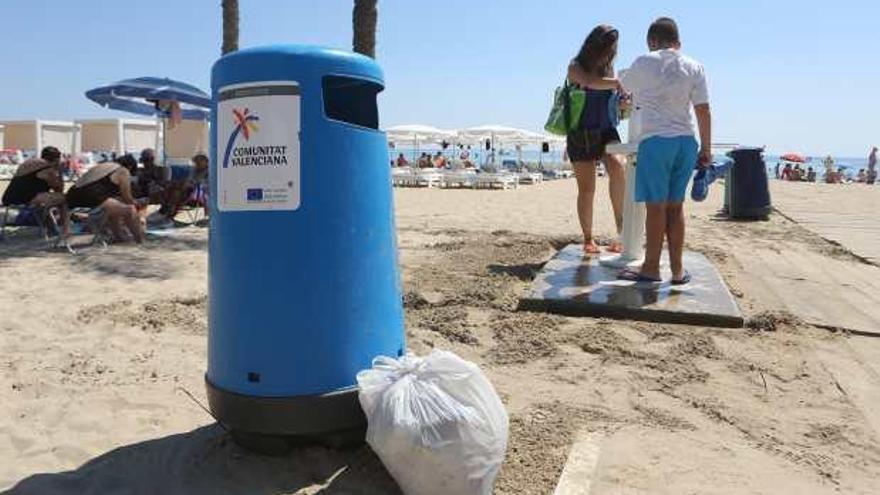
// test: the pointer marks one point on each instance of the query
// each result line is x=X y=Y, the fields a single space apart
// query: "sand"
x=100 y=350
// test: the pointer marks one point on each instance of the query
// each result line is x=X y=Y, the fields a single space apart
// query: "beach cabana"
x=34 y=135
x=185 y=140
x=118 y=135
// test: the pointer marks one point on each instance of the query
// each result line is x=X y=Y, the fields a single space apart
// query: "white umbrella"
x=493 y=133
x=415 y=135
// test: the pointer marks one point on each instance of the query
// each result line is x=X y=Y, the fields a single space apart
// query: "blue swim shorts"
x=664 y=168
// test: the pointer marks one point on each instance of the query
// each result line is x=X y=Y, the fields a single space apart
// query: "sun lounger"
x=500 y=180
x=531 y=178
x=459 y=178
x=401 y=176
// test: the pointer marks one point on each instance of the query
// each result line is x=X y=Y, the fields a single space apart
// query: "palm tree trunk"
x=364 y=27
x=230 y=26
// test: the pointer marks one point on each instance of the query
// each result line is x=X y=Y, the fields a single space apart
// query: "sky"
x=790 y=75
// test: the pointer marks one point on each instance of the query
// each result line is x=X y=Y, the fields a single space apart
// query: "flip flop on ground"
x=685 y=279
x=634 y=276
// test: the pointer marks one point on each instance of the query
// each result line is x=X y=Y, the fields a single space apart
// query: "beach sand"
x=97 y=352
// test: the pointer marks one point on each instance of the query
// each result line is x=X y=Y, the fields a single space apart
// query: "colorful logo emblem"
x=244 y=125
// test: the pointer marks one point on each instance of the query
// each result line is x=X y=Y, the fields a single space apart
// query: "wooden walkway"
x=848 y=214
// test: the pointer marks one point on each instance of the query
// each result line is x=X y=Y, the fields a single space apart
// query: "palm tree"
x=364 y=27
x=230 y=26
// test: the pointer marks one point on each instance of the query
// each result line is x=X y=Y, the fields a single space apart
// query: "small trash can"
x=303 y=285
x=747 y=192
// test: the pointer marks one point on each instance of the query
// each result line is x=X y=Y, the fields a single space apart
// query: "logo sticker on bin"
x=258 y=128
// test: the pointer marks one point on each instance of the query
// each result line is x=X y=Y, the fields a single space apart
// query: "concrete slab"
x=577 y=475
x=572 y=285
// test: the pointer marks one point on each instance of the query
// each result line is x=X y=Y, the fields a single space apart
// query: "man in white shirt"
x=665 y=84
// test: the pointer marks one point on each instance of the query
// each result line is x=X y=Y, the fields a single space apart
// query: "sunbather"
x=402 y=161
x=177 y=192
x=37 y=183
x=107 y=187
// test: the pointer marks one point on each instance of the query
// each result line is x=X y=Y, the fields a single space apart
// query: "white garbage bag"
x=435 y=422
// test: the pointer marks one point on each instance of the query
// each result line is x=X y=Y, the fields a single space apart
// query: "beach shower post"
x=304 y=288
x=632 y=235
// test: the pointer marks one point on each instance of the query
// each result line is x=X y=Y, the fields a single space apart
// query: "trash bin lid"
x=307 y=60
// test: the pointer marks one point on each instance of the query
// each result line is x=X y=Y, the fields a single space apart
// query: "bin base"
x=320 y=418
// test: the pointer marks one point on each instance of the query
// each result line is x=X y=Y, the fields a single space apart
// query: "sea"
x=553 y=159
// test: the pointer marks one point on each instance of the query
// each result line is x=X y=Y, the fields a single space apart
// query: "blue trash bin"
x=304 y=289
x=747 y=190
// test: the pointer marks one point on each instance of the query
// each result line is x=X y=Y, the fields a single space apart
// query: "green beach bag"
x=568 y=105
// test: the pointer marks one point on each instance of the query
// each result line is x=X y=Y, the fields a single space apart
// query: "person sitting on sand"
x=861 y=177
x=796 y=174
x=402 y=161
x=424 y=161
x=786 y=172
x=439 y=160
x=150 y=179
x=811 y=174
x=37 y=183
x=177 y=192
x=107 y=187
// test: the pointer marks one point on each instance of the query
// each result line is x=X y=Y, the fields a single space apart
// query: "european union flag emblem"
x=254 y=194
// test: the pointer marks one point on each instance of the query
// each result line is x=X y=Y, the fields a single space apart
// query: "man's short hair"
x=50 y=154
x=664 y=31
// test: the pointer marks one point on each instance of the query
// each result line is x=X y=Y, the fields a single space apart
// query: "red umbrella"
x=794 y=157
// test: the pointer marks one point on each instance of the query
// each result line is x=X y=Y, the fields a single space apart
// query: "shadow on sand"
x=125 y=260
x=206 y=461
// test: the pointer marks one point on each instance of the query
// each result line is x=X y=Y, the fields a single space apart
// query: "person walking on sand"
x=593 y=70
x=666 y=84
x=872 y=166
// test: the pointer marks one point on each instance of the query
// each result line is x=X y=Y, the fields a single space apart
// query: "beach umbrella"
x=145 y=96
x=496 y=133
x=794 y=157
x=154 y=96
x=415 y=135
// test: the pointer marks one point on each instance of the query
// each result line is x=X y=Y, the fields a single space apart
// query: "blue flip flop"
x=634 y=276
x=685 y=279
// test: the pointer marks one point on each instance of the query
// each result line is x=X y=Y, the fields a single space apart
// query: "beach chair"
x=95 y=222
x=196 y=205
x=46 y=219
